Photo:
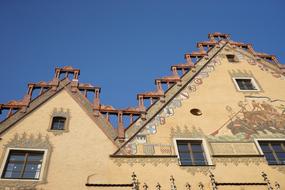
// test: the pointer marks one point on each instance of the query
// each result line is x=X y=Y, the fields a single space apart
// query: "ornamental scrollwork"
x=199 y=169
x=155 y=161
x=240 y=160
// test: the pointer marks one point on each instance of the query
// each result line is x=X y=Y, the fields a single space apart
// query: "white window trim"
x=265 y=139
x=204 y=144
x=23 y=149
x=252 y=80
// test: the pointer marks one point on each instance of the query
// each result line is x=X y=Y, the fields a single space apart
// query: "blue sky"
x=122 y=46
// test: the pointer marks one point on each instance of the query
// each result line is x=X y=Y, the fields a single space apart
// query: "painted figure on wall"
x=257 y=116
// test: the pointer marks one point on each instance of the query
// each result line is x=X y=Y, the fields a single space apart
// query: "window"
x=246 y=84
x=274 y=151
x=231 y=58
x=23 y=165
x=191 y=152
x=58 y=123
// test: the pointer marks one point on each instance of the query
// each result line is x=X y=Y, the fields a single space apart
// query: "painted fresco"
x=258 y=116
x=255 y=117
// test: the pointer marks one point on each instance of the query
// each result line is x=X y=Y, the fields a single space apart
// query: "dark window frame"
x=58 y=123
x=246 y=84
x=232 y=58
x=277 y=160
x=191 y=153
x=27 y=154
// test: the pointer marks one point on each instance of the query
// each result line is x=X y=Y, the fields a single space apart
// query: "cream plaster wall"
x=212 y=97
x=77 y=153
x=85 y=149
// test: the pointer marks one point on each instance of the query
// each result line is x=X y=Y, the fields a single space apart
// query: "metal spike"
x=277 y=185
x=213 y=181
x=188 y=186
x=201 y=186
x=145 y=187
x=134 y=177
x=158 y=186
x=265 y=178
x=172 y=185
x=135 y=182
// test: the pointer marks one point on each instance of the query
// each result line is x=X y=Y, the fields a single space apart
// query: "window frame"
x=235 y=59
x=64 y=124
x=59 y=112
x=5 y=160
x=204 y=146
x=256 y=141
x=252 y=81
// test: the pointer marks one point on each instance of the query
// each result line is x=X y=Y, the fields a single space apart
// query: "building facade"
x=216 y=123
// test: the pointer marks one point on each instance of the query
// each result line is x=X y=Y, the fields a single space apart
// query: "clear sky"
x=122 y=46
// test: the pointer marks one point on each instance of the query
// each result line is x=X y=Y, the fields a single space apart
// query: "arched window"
x=58 y=123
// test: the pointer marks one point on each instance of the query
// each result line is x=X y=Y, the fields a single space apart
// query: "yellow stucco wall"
x=75 y=154
x=216 y=92
x=85 y=150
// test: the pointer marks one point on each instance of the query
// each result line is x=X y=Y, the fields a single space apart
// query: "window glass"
x=231 y=58
x=191 y=153
x=245 y=84
x=23 y=165
x=35 y=157
x=277 y=147
x=185 y=156
x=17 y=157
x=265 y=147
x=58 y=123
x=196 y=148
x=198 y=156
x=183 y=148
x=274 y=152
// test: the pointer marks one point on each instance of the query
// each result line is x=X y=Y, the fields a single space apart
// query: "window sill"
x=20 y=179
x=16 y=183
x=276 y=164
x=58 y=131
x=197 y=165
x=237 y=155
x=256 y=90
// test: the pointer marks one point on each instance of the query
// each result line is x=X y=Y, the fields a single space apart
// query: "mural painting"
x=257 y=116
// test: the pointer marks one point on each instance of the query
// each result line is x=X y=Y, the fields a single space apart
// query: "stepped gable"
x=65 y=78
x=194 y=64
x=166 y=89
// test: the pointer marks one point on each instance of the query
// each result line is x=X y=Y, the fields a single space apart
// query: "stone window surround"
x=26 y=142
x=3 y=164
x=252 y=80
x=204 y=144
x=59 y=113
